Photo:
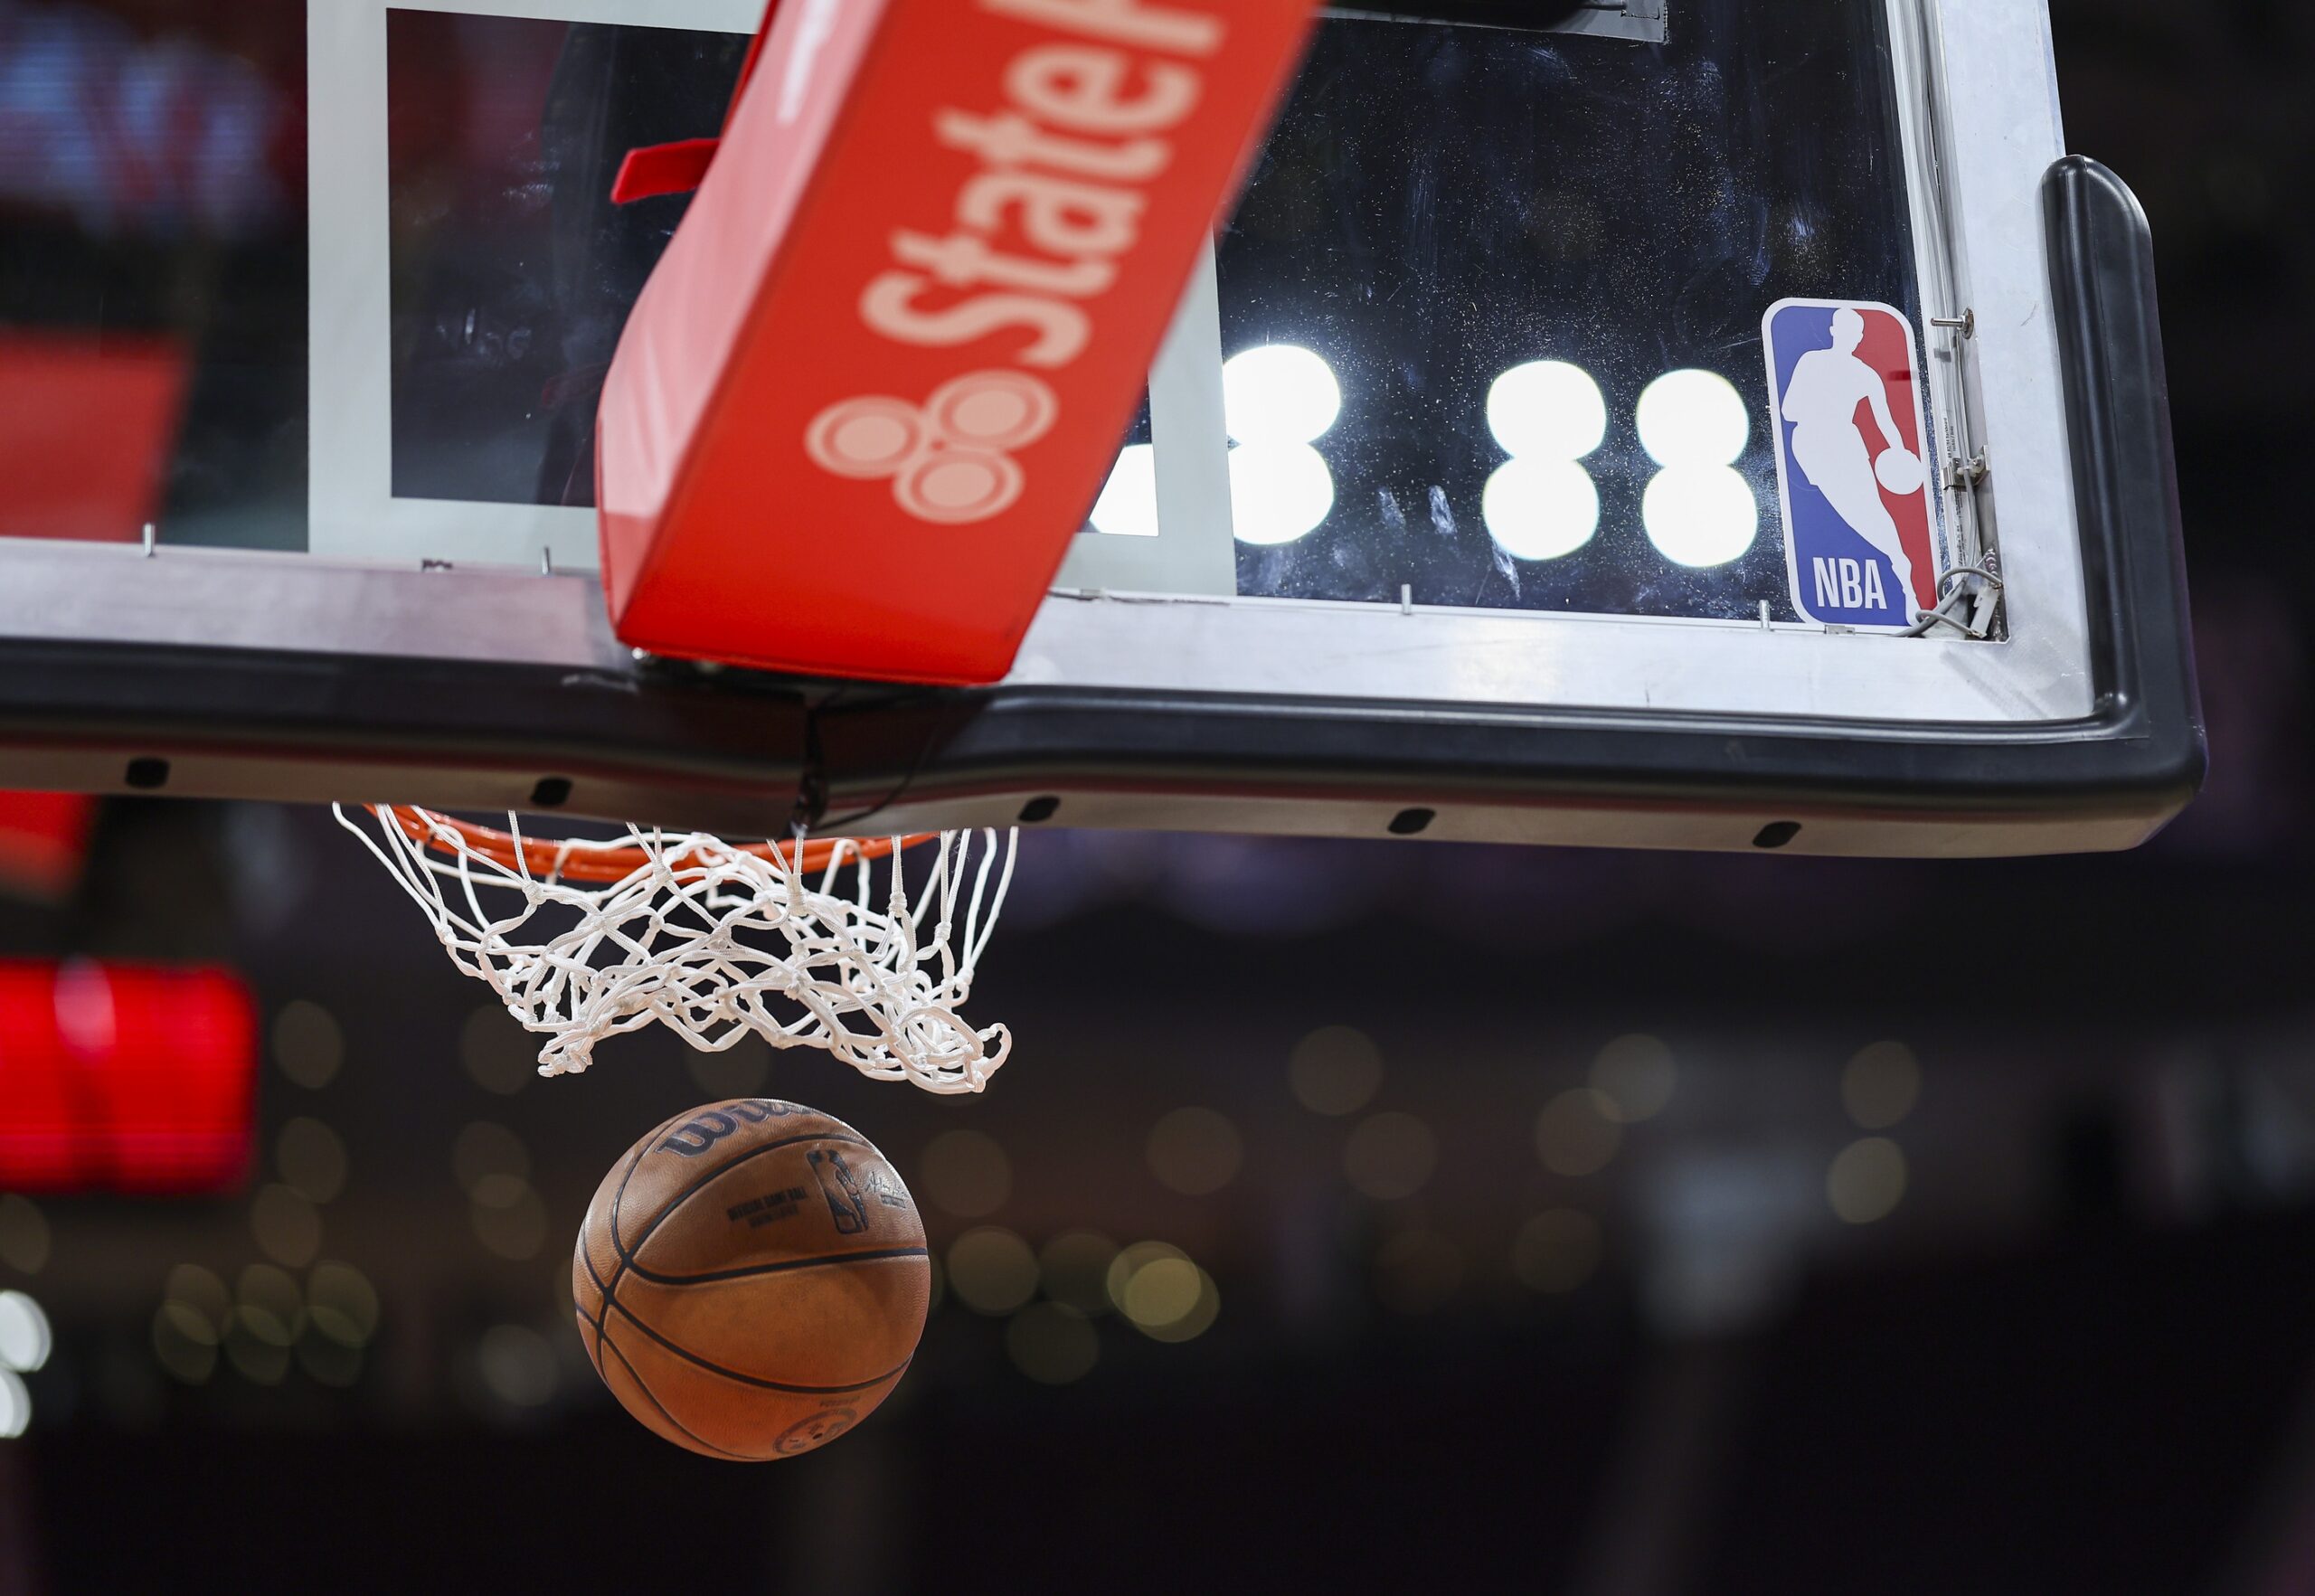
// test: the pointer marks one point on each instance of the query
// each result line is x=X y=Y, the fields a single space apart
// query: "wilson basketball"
x=751 y=1280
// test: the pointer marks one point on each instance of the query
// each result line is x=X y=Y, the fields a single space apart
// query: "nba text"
x=1850 y=584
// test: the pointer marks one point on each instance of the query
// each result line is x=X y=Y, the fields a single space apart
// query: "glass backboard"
x=1479 y=491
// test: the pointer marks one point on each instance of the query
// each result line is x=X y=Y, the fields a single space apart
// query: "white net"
x=716 y=941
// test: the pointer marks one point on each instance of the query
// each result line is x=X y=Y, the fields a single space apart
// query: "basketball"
x=751 y=1280
x=1901 y=472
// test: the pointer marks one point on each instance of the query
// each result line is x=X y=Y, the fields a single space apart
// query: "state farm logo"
x=1051 y=206
x=950 y=462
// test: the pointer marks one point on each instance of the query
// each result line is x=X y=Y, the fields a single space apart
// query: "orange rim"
x=598 y=864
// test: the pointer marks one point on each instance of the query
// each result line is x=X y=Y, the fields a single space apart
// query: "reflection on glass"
x=1541 y=509
x=1280 y=393
x=1700 y=517
x=1279 y=492
x=1127 y=506
x=1548 y=410
x=1277 y=400
x=1694 y=417
x=1507 y=242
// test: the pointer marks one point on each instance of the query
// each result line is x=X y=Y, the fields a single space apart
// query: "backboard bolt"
x=152 y=536
x=1966 y=476
x=1965 y=324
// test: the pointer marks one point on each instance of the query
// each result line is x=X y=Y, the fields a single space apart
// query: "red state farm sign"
x=882 y=374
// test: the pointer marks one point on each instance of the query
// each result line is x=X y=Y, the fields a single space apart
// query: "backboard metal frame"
x=355 y=514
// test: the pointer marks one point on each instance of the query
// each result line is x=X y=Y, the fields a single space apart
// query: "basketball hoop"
x=716 y=941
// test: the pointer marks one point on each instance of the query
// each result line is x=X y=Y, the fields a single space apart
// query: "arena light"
x=1694 y=417
x=1700 y=515
x=16 y=1406
x=1548 y=410
x=1279 y=492
x=1280 y=393
x=25 y=1339
x=1541 y=509
x=1127 y=506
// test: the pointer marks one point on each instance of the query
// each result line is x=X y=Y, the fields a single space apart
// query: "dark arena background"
x=1606 y=1223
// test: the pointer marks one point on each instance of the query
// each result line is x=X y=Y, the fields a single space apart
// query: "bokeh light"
x=24 y=1337
x=268 y=1306
x=1577 y=1134
x=254 y=1359
x=199 y=1300
x=965 y=1173
x=183 y=1345
x=482 y=1149
x=1556 y=1252
x=1074 y=1266
x=1867 y=1180
x=508 y=1217
x=1194 y=1151
x=1163 y=1292
x=1636 y=1076
x=1881 y=1084
x=498 y=1055
x=311 y=1158
x=308 y=1044
x=517 y=1365
x=992 y=1270
x=328 y=1362
x=24 y=1235
x=1390 y=1156
x=342 y=1304
x=1335 y=1069
x=743 y=1070
x=1417 y=1270
x=1052 y=1344
x=286 y=1225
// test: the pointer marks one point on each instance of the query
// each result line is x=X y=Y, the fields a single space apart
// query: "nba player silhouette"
x=1829 y=446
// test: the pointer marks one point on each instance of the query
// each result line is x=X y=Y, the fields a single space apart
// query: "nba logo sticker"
x=1861 y=525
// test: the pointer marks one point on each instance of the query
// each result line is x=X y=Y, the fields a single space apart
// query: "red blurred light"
x=91 y=424
x=126 y=1078
x=43 y=841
